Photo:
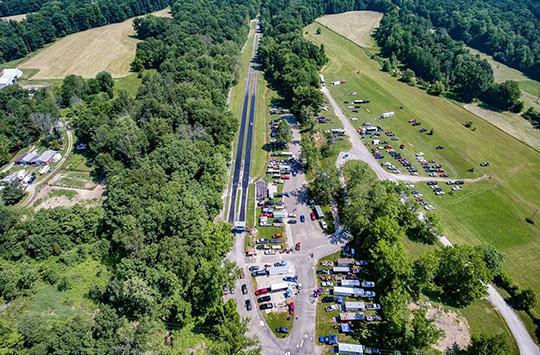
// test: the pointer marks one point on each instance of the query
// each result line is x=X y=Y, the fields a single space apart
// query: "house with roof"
x=46 y=157
x=9 y=77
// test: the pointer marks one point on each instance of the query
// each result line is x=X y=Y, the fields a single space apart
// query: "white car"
x=457 y=188
x=373 y=307
x=327 y=284
x=429 y=207
x=414 y=174
x=419 y=154
x=439 y=193
x=434 y=186
x=410 y=187
x=449 y=182
x=269 y=252
x=368 y=284
x=418 y=195
x=368 y=294
x=333 y=307
x=432 y=174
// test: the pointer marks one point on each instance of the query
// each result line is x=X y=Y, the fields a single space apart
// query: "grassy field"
x=355 y=25
x=110 y=48
x=279 y=319
x=495 y=209
x=16 y=18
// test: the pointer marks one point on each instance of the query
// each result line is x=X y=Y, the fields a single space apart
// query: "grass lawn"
x=279 y=319
x=496 y=210
x=58 y=193
x=129 y=83
x=250 y=212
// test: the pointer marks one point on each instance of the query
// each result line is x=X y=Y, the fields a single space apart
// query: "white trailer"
x=336 y=82
x=350 y=283
x=388 y=114
x=279 y=287
x=321 y=77
x=341 y=269
x=354 y=306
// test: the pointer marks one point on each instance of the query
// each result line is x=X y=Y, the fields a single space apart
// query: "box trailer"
x=350 y=349
x=341 y=269
x=287 y=154
x=350 y=283
x=280 y=214
x=345 y=262
x=351 y=317
x=388 y=114
x=278 y=270
x=354 y=306
x=279 y=287
x=336 y=82
x=347 y=291
x=321 y=77
x=318 y=212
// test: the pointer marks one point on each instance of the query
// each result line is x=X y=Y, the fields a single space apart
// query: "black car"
x=248 y=305
x=459 y=182
x=292 y=221
x=264 y=306
x=275 y=240
x=323 y=271
x=278 y=220
x=432 y=183
x=423 y=130
x=328 y=299
x=264 y=299
x=416 y=124
x=244 y=289
x=31 y=180
x=439 y=147
x=259 y=273
x=260 y=247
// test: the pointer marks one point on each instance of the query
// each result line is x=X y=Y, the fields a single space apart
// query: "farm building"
x=278 y=270
x=351 y=317
x=46 y=157
x=272 y=190
x=10 y=178
x=345 y=262
x=350 y=349
x=318 y=212
x=9 y=77
x=354 y=306
x=350 y=283
x=341 y=269
x=19 y=159
x=29 y=158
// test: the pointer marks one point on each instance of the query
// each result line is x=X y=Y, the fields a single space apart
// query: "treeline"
x=164 y=154
x=23 y=119
x=58 y=19
x=507 y=29
x=17 y=7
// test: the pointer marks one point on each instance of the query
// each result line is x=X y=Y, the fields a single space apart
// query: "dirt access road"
x=360 y=152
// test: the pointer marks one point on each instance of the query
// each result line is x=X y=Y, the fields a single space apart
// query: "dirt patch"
x=455 y=327
x=510 y=123
x=91 y=198
x=354 y=25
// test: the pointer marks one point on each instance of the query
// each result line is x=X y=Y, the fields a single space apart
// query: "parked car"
x=416 y=124
x=277 y=235
x=412 y=120
x=432 y=174
x=449 y=182
x=440 y=170
x=313 y=216
x=439 y=193
x=423 y=130
x=439 y=147
x=373 y=307
x=324 y=340
x=346 y=156
x=373 y=318
x=328 y=299
x=423 y=203
x=419 y=199
x=282 y=330
x=331 y=308
x=248 y=305
x=432 y=183
x=369 y=294
x=264 y=299
x=254 y=268
x=429 y=207
x=259 y=273
x=362 y=262
x=457 y=188
x=323 y=271
x=244 y=289
x=459 y=182
x=327 y=284
x=444 y=175
x=264 y=306
x=484 y=164
x=302 y=218
x=292 y=221
x=262 y=240
x=291 y=308
x=368 y=284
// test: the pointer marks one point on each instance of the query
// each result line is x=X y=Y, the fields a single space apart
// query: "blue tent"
x=332 y=339
x=345 y=328
x=288 y=293
x=340 y=300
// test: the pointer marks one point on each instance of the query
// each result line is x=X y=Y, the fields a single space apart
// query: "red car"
x=419 y=199
x=432 y=161
x=440 y=170
x=265 y=214
x=277 y=235
x=261 y=291
x=355 y=111
x=413 y=120
x=444 y=175
x=291 y=308
x=389 y=147
x=286 y=177
x=313 y=216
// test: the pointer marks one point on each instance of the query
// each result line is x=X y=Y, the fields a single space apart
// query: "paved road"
x=241 y=139
x=359 y=151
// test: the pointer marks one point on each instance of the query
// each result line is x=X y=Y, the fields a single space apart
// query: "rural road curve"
x=359 y=151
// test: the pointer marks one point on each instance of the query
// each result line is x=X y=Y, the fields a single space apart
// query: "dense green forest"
x=58 y=19
x=144 y=271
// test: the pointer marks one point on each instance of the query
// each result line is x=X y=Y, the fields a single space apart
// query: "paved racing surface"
x=240 y=145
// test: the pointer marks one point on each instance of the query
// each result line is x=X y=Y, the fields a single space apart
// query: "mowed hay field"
x=109 y=48
x=355 y=25
x=14 y=18
x=491 y=210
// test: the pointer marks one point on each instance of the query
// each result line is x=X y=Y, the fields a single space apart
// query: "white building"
x=9 y=77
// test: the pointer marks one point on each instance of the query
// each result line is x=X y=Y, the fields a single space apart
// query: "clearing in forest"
x=354 y=25
x=109 y=48
x=14 y=17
